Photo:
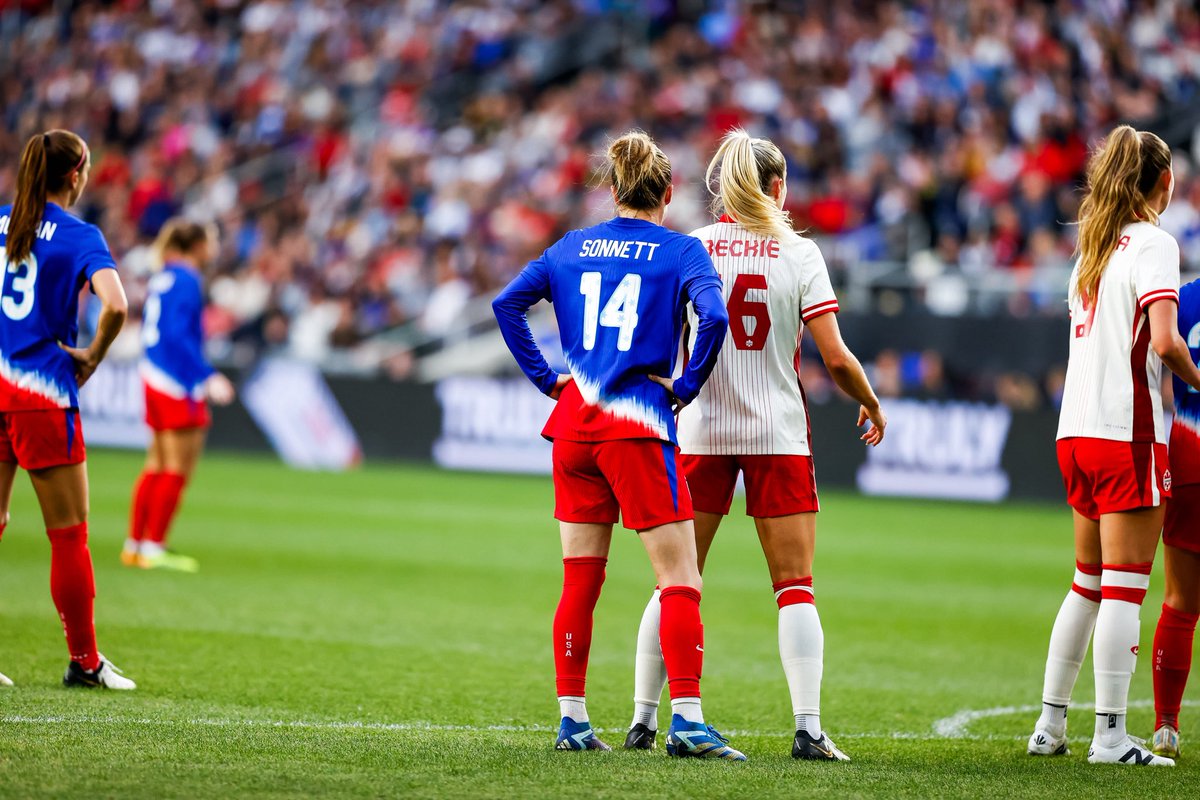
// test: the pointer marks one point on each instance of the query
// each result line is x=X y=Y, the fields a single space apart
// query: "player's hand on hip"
x=669 y=385
x=559 y=385
x=878 y=420
x=85 y=360
x=219 y=389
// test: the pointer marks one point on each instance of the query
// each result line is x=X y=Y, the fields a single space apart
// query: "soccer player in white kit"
x=1124 y=295
x=751 y=417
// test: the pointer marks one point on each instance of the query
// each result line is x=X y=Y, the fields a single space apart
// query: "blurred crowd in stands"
x=374 y=165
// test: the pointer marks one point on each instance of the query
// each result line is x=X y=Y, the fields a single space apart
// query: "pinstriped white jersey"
x=753 y=403
x=1113 y=387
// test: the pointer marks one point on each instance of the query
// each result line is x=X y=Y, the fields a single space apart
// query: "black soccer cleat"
x=641 y=737
x=106 y=676
x=806 y=748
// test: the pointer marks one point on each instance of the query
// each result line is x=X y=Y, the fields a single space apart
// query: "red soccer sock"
x=794 y=591
x=582 y=578
x=73 y=588
x=681 y=635
x=164 y=500
x=143 y=494
x=1172 y=662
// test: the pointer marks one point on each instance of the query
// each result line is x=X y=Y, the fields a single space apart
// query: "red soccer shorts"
x=1181 y=528
x=166 y=413
x=41 y=439
x=640 y=478
x=1103 y=476
x=776 y=486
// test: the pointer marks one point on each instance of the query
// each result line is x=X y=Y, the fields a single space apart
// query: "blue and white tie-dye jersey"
x=39 y=308
x=619 y=291
x=173 y=336
x=1185 y=431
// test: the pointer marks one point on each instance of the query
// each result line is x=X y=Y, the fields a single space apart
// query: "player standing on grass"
x=178 y=381
x=1112 y=450
x=619 y=290
x=1176 y=629
x=751 y=417
x=49 y=256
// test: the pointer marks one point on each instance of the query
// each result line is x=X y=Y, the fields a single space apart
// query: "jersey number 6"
x=741 y=309
x=18 y=279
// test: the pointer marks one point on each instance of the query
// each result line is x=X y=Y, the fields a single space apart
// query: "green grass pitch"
x=385 y=633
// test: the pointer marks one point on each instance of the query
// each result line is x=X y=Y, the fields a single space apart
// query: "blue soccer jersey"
x=1185 y=432
x=173 y=336
x=39 y=309
x=619 y=291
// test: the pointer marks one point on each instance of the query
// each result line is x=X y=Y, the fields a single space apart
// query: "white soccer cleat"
x=1131 y=751
x=106 y=676
x=5 y=680
x=1044 y=743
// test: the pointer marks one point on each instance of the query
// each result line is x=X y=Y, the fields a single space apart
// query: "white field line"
x=956 y=725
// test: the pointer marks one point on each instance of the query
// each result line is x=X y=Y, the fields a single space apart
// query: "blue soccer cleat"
x=697 y=740
x=574 y=735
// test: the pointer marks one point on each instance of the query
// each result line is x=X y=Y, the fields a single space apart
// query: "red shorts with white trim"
x=776 y=486
x=640 y=478
x=1103 y=476
x=1181 y=527
x=42 y=439
x=166 y=413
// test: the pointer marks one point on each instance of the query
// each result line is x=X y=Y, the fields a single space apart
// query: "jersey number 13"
x=16 y=286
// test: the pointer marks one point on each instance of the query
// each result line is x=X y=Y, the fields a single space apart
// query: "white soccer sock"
x=152 y=549
x=1110 y=729
x=131 y=545
x=573 y=707
x=802 y=650
x=688 y=708
x=1115 y=644
x=649 y=670
x=1068 y=647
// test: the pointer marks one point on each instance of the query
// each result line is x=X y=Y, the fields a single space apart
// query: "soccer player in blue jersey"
x=1176 y=631
x=49 y=256
x=178 y=382
x=619 y=290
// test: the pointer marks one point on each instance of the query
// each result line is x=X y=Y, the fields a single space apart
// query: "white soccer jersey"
x=1113 y=387
x=753 y=403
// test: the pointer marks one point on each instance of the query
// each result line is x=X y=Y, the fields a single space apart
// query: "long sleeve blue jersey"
x=619 y=291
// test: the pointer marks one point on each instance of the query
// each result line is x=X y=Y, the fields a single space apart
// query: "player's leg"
x=1069 y=640
x=144 y=492
x=586 y=510
x=1176 y=630
x=62 y=492
x=647 y=479
x=1128 y=542
x=711 y=481
x=179 y=450
x=8 y=471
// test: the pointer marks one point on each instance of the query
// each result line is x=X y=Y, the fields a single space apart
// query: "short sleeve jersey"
x=1185 y=431
x=1113 y=384
x=753 y=403
x=173 y=336
x=39 y=309
x=618 y=290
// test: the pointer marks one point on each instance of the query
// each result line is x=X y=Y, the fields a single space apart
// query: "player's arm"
x=712 y=323
x=848 y=374
x=1166 y=341
x=113 y=311
x=511 y=308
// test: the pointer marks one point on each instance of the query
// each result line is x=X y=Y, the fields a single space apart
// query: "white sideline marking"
x=955 y=726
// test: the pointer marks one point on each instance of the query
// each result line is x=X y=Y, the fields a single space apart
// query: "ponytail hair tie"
x=45 y=140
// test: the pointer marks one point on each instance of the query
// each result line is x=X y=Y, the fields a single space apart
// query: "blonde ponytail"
x=638 y=171
x=1121 y=174
x=744 y=169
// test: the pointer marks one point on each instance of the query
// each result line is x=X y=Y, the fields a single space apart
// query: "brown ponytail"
x=744 y=169
x=182 y=236
x=1121 y=175
x=638 y=171
x=47 y=163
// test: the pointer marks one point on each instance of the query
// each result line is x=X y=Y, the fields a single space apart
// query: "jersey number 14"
x=16 y=292
x=619 y=312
